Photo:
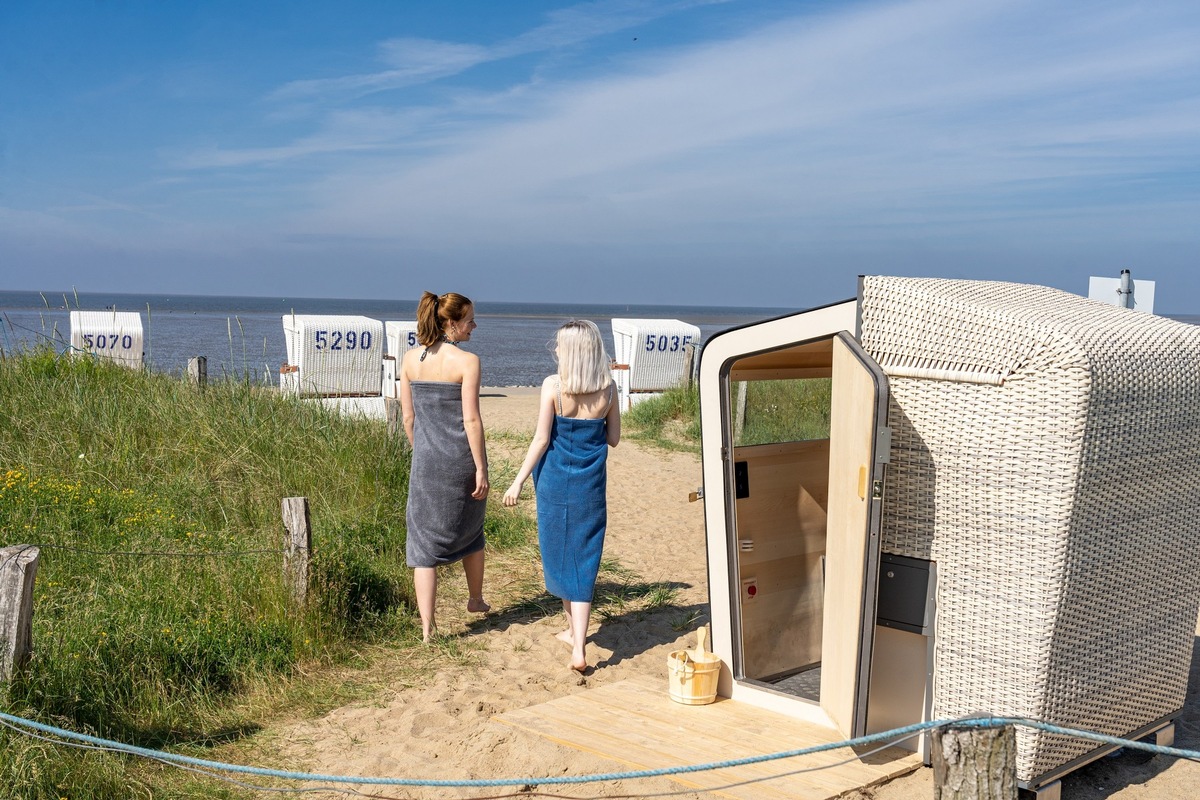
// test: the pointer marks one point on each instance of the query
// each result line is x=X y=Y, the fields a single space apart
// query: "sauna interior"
x=779 y=418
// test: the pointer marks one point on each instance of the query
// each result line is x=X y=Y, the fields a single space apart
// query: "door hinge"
x=883 y=445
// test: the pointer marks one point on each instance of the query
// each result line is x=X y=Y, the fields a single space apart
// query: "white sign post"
x=1123 y=291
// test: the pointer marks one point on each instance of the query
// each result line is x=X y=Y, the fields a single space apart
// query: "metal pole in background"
x=1125 y=293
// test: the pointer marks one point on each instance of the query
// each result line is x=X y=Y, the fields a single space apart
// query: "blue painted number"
x=666 y=344
x=343 y=340
x=100 y=341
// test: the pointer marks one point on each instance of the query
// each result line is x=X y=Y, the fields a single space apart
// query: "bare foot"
x=565 y=636
x=579 y=666
x=429 y=635
x=477 y=605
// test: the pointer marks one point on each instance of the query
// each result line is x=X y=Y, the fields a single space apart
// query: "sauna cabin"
x=944 y=497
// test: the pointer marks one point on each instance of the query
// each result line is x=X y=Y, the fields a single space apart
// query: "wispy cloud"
x=410 y=61
x=830 y=125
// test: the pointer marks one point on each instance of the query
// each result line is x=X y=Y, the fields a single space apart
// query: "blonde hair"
x=583 y=363
x=433 y=312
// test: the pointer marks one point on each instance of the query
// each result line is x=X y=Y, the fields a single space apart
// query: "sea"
x=242 y=337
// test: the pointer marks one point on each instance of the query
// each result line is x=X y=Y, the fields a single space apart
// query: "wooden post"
x=739 y=414
x=975 y=763
x=297 y=547
x=395 y=426
x=198 y=371
x=18 y=568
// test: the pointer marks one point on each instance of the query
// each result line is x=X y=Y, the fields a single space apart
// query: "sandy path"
x=442 y=728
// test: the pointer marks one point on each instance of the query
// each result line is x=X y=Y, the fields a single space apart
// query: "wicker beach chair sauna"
x=1045 y=453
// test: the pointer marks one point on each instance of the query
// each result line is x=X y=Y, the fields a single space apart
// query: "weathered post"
x=392 y=406
x=18 y=567
x=739 y=417
x=689 y=364
x=297 y=547
x=198 y=371
x=974 y=763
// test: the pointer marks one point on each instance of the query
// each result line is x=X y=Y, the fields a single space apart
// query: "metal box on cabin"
x=1025 y=464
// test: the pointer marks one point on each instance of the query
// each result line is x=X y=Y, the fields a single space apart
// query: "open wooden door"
x=857 y=428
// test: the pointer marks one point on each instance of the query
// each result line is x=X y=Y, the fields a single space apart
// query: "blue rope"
x=895 y=734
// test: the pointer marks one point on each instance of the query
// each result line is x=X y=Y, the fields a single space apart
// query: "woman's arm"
x=612 y=426
x=406 y=403
x=473 y=424
x=541 y=439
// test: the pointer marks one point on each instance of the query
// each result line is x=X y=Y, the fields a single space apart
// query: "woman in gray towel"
x=448 y=483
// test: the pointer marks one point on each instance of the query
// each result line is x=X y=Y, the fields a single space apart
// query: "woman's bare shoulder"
x=409 y=359
x=459 y=356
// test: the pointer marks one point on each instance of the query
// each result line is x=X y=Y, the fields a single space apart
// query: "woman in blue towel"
x=448 y=482
x=578 y=420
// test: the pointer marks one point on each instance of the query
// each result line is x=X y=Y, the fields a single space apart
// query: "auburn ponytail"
x=434 y=312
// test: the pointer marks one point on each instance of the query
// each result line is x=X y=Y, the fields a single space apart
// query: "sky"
x=711 y=152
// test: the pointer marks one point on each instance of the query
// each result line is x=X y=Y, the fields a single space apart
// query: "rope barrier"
x=277 y=551
x=24 y=725
x=161 y=553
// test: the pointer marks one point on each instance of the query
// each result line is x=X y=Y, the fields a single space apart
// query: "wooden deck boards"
x=634 y=722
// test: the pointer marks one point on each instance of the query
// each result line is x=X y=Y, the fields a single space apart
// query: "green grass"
x=776 y=411
x=784 y=411
x=670 y=420
x=160 y=605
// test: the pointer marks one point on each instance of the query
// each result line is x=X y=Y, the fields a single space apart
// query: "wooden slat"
x=635 y=723
x=814 y=356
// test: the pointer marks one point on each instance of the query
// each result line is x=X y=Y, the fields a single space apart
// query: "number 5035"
x=664 y=343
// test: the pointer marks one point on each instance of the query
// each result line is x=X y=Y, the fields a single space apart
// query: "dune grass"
x=160 y=603
x=670 y=421
x=785 y=411
x=774 y=411
x=161 y=615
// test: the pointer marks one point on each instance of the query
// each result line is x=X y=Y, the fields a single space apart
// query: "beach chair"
x=651 y=356
x=401 y=337
x=112 y=335
x=332 y=356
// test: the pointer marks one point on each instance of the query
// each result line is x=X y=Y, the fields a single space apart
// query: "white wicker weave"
x=654 y=352
x=401 y=337
x=339 y=356
x=113 y=335
x=1046 y=454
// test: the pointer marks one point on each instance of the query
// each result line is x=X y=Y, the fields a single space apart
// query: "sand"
x=442 y=728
